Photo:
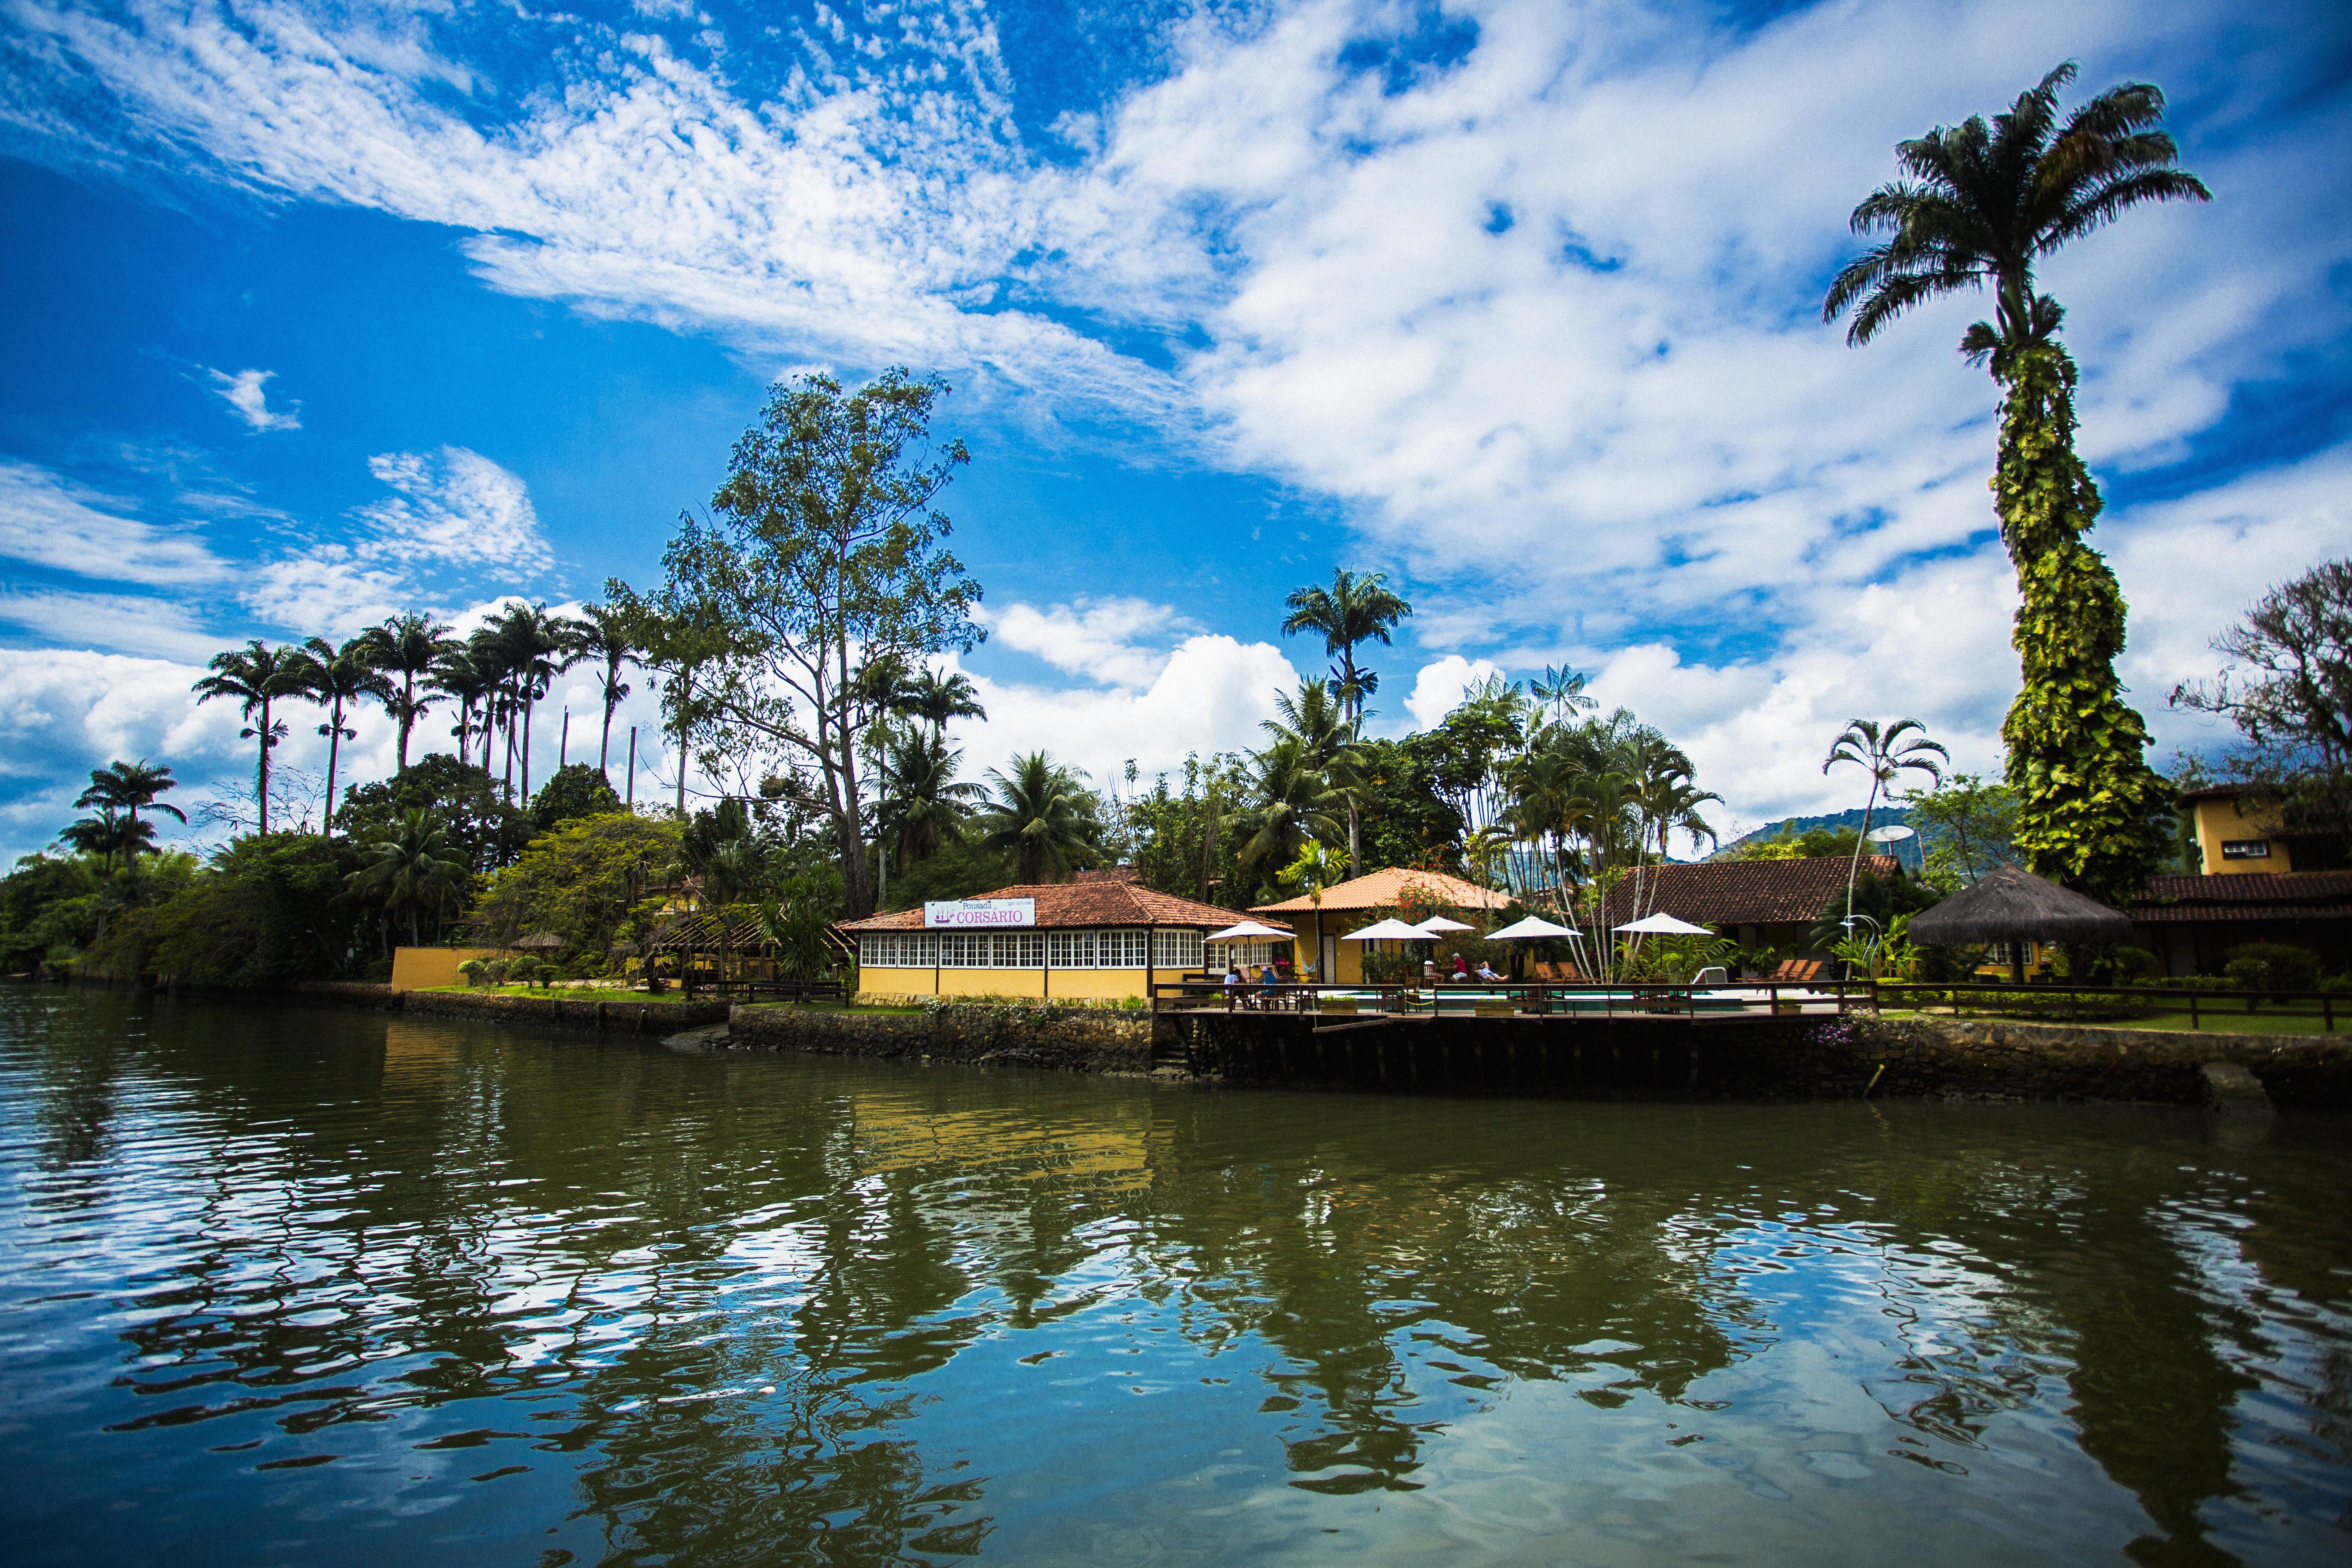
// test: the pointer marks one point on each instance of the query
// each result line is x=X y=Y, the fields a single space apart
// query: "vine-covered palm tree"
x=409 y=646
x=1354 y=610
x=254 y=677
x=1044 y=816
x=1981 y=204
x=338 y=679
x=1886 y=755
x=131 y=788
x=408 y=869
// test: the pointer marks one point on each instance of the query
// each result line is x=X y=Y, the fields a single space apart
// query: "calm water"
x=315 y=1288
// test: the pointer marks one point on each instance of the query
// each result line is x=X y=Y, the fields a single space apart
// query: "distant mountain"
x=1906 y=851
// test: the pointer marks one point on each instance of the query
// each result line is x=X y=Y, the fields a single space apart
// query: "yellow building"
x=2238 y=833
x=1103 y=937
x=1321 y=922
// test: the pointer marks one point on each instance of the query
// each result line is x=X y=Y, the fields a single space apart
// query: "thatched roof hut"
x=2011 y=904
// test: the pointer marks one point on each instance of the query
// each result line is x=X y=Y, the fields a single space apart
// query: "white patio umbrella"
x=1530 y=929
x=1665 y=924
x=1436 y=923
x=1246 y=929
x=1389 y=930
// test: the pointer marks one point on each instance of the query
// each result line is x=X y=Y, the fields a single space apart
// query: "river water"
x=313 y=1287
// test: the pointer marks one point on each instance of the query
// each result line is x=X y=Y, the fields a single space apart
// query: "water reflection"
x=597 y=1302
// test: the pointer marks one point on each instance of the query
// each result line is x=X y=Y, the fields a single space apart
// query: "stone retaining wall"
x=1826 y=1059
x=1083 y=1039
x=567 y=1012
x=353 y=993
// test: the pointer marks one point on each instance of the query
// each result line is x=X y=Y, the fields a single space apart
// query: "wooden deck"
x=1350 y=1007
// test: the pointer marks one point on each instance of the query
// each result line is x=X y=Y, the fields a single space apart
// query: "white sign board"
x=966 y=913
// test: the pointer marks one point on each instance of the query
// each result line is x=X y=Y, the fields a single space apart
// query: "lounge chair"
x=1799 y=971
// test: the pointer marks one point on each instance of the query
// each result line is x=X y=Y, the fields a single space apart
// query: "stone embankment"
x=1082 y=1039
x=567 y=1012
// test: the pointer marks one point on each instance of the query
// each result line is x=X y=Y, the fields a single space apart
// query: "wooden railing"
x=1557 y=1000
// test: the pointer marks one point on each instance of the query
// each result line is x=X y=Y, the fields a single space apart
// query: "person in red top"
x=1461 y=967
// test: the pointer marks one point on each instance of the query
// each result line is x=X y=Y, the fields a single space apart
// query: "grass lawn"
x=2210 y=1020
x=570 y=992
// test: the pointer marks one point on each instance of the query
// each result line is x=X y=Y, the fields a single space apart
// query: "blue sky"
x=308 y=313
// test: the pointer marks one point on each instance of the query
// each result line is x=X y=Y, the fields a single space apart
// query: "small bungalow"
x=1104 y=937
x=2191 y=924
x=1322 y=921
x=1757 y=903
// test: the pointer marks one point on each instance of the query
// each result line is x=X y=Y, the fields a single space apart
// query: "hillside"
x=1907 y=851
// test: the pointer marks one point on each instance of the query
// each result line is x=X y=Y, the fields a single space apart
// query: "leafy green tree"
x=588 y=881
x=2288 y=689
x=576 y=790
x=48 y=903
x=336 y=678
x=1966 y=826
x=1189 y=843
x=935 y=699
x=958 y=868
x=1885 y=754
x=1404 y=820
x=131 y=788
x=254 y=677
x=484 y=831
x=410 y=868
x=1981 y=204
x=461 y=671
x=409 y=646
x=797 y=922
x=1044 y=817
x=269 y=910
x=825 y=557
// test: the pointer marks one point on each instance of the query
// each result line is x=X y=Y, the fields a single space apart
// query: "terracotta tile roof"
x=2294 y=896
x=1065 y=905
x=1375 y=890
x=1722 y=893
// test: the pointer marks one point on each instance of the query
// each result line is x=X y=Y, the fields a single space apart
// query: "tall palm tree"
x=338 y=679
x=1044 y=816
x=531 y=640
x=1291 y=802
x=1352 y=611
x=606 y=637
x=922 y=805
x=100 y=836
x=935 y=699
x=1562 y=690
x=406 y=864
x=1886 y=755
x=131 y=788
x=254 y=677
x=458 y=674
x=1979 y=205
x=409 y=646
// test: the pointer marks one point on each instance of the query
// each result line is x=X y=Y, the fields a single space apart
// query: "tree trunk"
x=1860 y=840
x=530 y=702
x=334 y=751
x=264 y=797
x=604 y=749
x=2088 y=805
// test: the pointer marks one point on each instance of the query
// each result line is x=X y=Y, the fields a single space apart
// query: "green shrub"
x=2272 y=967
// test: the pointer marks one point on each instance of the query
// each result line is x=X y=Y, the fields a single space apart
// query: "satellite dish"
x=1888 y=834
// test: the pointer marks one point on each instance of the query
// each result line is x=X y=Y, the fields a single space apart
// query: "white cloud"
x=120 y=623
x=453 y=507
x=244 y=393
x=1210 y=694
x=1437 y=690
x=1097 y=638
x=48 y=521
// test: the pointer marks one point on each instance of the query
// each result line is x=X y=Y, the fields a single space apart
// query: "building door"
x=1326 y=962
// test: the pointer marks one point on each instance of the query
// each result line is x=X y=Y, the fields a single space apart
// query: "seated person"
x=1485 y=972
x=1461 y=970
x=1233 y=980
